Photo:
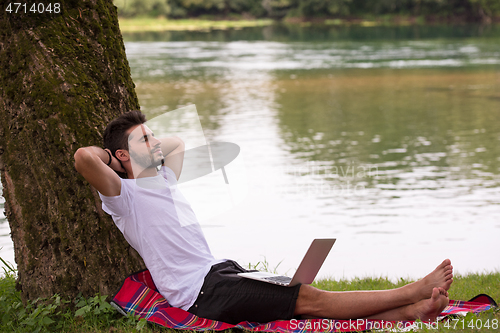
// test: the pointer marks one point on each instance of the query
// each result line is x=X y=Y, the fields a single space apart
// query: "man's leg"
x=362 y=304
x=425 y=310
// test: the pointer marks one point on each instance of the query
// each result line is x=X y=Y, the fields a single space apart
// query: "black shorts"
x=230 y=298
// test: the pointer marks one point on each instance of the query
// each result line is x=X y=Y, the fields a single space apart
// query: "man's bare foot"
x=441 y=277
x=429 y=309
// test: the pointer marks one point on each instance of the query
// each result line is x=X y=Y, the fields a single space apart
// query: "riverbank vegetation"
x=95 y=314
x=151 y=24
x=413 y=11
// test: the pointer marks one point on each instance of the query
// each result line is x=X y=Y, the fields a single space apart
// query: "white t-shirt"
x=159 y=223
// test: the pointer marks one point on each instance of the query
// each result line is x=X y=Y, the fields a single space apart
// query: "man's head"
x=116 y=133
x=144 y=149
x=133 y=144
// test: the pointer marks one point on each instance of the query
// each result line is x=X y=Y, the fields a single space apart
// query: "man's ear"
x=122 y=155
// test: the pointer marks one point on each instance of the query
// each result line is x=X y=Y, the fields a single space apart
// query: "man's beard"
x=146 y=161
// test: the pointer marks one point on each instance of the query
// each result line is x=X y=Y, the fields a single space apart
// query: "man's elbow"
x=181 y=143
x=178 y=144
x=80 y=156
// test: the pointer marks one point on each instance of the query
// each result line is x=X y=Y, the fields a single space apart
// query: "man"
x=158 y=222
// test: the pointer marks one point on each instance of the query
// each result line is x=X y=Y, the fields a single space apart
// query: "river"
x=386 y=138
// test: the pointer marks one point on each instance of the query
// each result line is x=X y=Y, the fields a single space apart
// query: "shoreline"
x=150 y=24
x=147 y=24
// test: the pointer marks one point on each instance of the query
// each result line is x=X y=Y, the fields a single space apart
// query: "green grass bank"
x=147 y=24
x=96 y=315
x=150 y=24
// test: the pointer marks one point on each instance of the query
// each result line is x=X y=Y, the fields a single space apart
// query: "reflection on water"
x=386 y=138
x=314 y=33
x=185 y=60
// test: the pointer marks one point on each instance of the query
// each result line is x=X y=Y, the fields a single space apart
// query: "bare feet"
x=429 y=309
x=441 y=277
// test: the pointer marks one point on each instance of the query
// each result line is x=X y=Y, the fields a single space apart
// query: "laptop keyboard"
x=283 y=280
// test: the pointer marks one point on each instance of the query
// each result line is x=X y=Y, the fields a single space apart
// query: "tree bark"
x=63 y=77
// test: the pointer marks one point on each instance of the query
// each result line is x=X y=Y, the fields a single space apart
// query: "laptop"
x=308 y=268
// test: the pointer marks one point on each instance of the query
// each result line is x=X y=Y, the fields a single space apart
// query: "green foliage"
x=311 y=8
x=278 y=8
x=36 y=316
x=55 y=313
x=252 y=7
x=154 y=8
x=9 y=297
x=190 y=8
x=469 y=9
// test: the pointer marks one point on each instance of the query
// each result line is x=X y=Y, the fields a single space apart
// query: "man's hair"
x=115 y=135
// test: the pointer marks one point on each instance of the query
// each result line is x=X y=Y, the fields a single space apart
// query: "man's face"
x=144 y=148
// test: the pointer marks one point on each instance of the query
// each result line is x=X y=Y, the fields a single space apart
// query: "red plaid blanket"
x=139 y=296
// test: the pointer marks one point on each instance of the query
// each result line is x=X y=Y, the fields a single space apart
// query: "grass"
x=163 y=24
x=463 y=288
x=152 y=24
x=57 y=314
x=94 y=314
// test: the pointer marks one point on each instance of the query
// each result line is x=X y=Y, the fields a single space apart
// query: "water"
x=6 y=246
x=385 y=138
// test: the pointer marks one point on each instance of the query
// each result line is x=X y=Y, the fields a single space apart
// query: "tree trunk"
x=63 y=77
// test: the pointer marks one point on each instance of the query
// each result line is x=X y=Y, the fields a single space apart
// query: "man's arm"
x=173 y=152
x=91 y=162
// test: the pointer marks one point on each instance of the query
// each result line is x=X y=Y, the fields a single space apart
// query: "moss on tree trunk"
x=63 y=77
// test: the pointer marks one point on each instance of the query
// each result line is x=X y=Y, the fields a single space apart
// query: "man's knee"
x=309 y=300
